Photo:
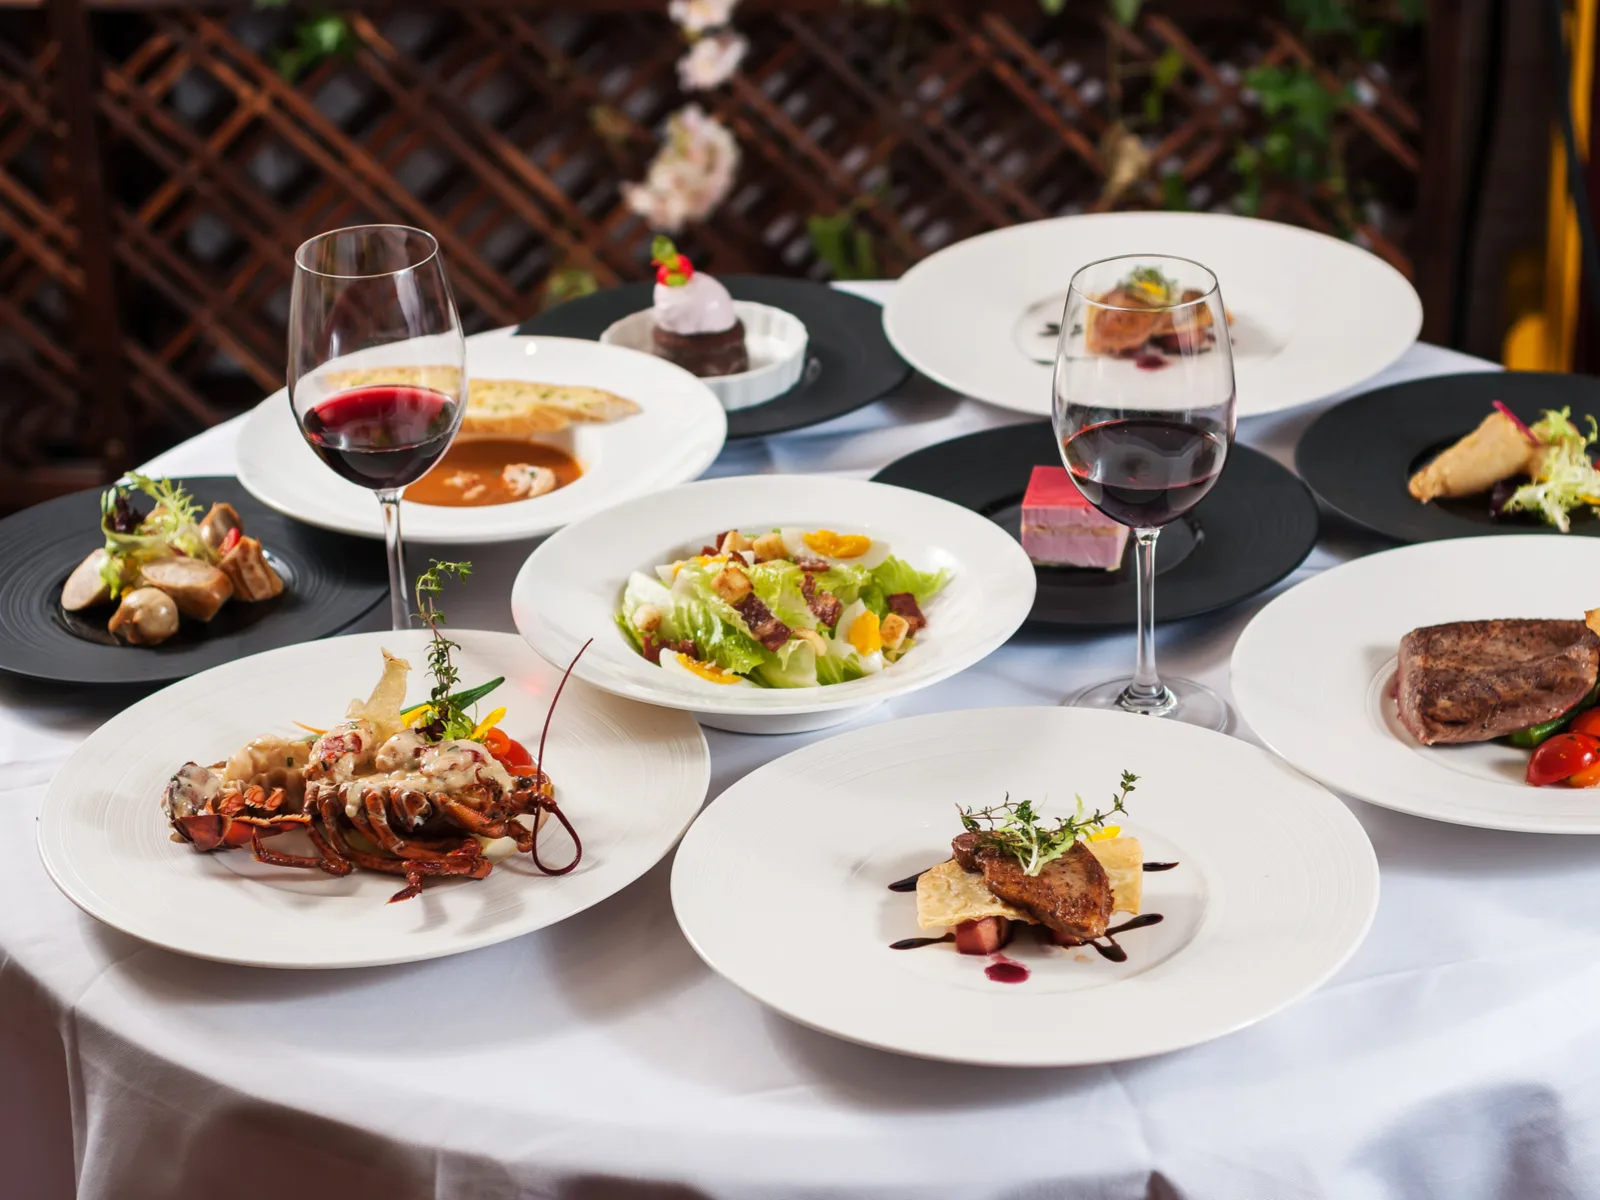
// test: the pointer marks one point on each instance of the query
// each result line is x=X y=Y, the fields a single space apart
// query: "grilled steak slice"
x=1071 y=896
x=1472 y=681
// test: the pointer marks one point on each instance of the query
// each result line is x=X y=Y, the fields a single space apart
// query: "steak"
x=1070 y=896
x=1472 y=681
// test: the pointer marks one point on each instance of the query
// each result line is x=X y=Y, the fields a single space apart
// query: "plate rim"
x=1000 y=399
x=1303 y=452
x=821 y=699
x=999 y=433
x=1362 y=791
x=690 y=731
x=740 y=417
x=161 y=678
x=262 y=413
x=1339 y=812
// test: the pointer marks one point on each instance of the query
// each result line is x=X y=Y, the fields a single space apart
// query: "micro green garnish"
x=132 y=540
x=1563 y=476
x=1156 y=286
x=450 y=719
x=1017 y=830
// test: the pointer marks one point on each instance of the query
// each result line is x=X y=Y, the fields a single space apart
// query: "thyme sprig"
x=1017 y=829
x=450 y=719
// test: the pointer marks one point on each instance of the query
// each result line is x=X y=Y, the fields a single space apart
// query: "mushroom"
x=146 y=616
x=217 y=524
x=84 y=587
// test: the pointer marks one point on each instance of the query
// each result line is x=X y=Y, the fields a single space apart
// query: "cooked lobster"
x=400 y=803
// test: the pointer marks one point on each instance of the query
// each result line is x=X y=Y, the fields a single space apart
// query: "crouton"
x=769 y=546
x=893 y=630
x=731 y=584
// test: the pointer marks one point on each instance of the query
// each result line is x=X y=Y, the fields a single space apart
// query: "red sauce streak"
x=1150 y=362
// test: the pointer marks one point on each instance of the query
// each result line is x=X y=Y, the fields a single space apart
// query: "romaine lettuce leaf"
x=831 y=670
x=894 y=575
x=685 y=613
x=795 y=665
x=777 y=583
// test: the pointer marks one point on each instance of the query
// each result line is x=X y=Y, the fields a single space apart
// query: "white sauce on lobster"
x=452 y=766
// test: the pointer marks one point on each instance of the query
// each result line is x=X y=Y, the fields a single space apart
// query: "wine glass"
x=1144 y=415
x=377 y=366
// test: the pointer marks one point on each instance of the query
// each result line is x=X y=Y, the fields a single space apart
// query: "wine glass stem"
x=1146 y=693
x=399 y=600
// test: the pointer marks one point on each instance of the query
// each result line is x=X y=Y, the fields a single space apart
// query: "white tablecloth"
x=1455 y=1056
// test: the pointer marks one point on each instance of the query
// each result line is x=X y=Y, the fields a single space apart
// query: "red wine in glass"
x=381 y=436
x=1144 y=472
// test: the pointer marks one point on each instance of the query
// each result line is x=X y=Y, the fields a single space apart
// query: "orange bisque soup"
x=480 y=471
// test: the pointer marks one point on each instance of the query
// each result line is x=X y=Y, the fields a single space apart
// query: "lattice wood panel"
x=507 y=132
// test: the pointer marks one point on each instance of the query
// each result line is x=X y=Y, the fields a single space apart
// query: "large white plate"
x=677 y=435
x=630 y=778
x=568 y=590
x=1311 y=672
x=1312 y=315
x=781 y=887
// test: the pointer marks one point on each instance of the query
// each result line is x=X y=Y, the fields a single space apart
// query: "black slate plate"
x=1358 y=456
x=1257 y=525
x=851 y=362
x=330 y=580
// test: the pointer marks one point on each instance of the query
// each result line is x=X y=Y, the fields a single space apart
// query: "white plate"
x=677 y=435
x=629 y=777
x=1311 y=672
x=775 y=342
x=1312 y=315
x=569 y=588
x=781 y=887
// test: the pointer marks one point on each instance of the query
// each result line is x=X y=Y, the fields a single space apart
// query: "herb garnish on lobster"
x=413 y=791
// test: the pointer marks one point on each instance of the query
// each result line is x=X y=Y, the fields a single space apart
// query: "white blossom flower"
x=691 y=174
x=711 y=61
x=697 y=16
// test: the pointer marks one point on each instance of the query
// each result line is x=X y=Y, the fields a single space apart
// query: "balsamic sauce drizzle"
x=1108 y=949
x=913 y=943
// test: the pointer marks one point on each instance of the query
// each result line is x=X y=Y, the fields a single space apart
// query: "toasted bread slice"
x=504 y=407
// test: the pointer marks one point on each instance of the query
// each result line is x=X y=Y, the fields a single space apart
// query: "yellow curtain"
x=1543 y=340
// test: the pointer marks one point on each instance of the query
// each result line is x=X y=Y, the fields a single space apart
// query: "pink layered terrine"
x=1062 y=529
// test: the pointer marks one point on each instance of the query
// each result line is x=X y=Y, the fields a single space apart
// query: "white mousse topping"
x=702 y=305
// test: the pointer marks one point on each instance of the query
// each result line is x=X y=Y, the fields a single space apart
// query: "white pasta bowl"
x=569 y=589
x=775 y=341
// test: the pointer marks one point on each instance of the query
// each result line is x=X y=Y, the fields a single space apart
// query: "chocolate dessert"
x=695 y=324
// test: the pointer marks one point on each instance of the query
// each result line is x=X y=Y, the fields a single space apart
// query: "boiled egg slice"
x=681 y=666
x=835 y=548
x=859 y=632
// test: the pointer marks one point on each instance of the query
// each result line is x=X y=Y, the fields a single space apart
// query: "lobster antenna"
x=550 y=712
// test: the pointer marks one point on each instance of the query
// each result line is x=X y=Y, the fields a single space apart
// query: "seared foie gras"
x=1071 y=895
x=1472 y=681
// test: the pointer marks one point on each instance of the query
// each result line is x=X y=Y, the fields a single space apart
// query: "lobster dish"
x=419 y=791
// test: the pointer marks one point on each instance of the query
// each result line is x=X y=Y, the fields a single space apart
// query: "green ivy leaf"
x=1126 y=11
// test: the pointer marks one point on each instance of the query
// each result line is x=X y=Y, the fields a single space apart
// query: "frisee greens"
x=171 y=525
x=1563 y=476
x=1018 y=830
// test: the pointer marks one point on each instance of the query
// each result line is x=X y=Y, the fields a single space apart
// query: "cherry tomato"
x=1588 y=777
x=515 y=756
x=1561 y=756
x=497 y=741
x=230 y=541
x=1587 y=722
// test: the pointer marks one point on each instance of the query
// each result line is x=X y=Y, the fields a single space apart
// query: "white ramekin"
x=775 y=341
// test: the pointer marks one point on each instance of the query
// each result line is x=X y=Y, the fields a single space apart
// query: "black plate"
x=1357 y=457
x=1257 y=525
x=330 y=580
x=851 y=362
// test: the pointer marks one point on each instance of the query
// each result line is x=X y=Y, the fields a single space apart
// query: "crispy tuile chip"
x=382 y=708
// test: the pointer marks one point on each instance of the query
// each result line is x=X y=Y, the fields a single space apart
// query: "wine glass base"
x=1184 y=700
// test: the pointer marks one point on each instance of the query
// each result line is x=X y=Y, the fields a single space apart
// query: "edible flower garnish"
x=1563 y=475
x=672 y=268
x=1017 y=830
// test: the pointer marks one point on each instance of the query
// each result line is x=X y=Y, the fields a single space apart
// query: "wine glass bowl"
x=377 y=365
x=1144 y=409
